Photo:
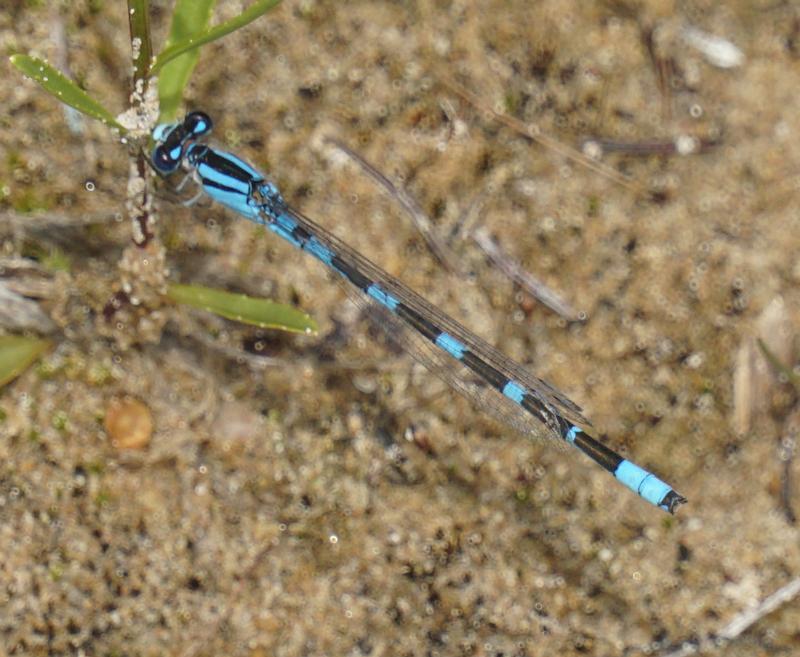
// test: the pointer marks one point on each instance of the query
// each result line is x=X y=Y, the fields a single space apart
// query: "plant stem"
x=141 y=46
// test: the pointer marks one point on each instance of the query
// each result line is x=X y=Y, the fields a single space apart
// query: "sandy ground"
x=328 y=496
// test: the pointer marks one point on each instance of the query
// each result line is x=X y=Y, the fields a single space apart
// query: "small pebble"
x=128 y=423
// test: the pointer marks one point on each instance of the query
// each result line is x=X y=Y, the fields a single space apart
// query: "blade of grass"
x=189 y=19
x=63 y=89
x=241 y=308
x=16 y=355
x=247 y=16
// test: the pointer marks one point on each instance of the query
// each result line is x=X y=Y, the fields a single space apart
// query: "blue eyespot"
x=163 y=161
x=197 y=123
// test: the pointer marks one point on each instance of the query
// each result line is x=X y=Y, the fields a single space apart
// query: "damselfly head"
x=174 y=138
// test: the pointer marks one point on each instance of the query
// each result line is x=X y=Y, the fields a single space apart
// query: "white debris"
x=718 y=51
x=686 y=145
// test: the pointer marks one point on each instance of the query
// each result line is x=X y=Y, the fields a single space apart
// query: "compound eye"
x=197 y=123
x=163 y=130
x=163 y=161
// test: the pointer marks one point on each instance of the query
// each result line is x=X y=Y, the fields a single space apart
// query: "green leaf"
x=64 y=89
x=241 y=308
x=16 y=355
x=189 y=19
x=247 y=16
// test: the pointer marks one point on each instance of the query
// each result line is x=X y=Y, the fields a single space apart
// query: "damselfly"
x=474 y=368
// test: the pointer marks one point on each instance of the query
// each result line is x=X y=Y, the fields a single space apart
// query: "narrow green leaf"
x=254 y=11
x=241 y=308
x=64 y=89
x=16 y=355
x=189 y=19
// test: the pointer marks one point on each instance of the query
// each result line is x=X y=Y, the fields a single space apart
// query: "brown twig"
x=493 y=251
x=410 y=205
x=741 y=623
x=527 y=281
x=538 y=137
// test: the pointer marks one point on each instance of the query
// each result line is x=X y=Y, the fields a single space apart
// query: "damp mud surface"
x=173 y=483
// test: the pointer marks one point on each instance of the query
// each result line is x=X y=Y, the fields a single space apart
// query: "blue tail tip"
x=672 y=501
x=648 y=486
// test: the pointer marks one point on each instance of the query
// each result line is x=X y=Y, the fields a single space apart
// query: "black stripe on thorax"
x=207 y=182
x=227 y=167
